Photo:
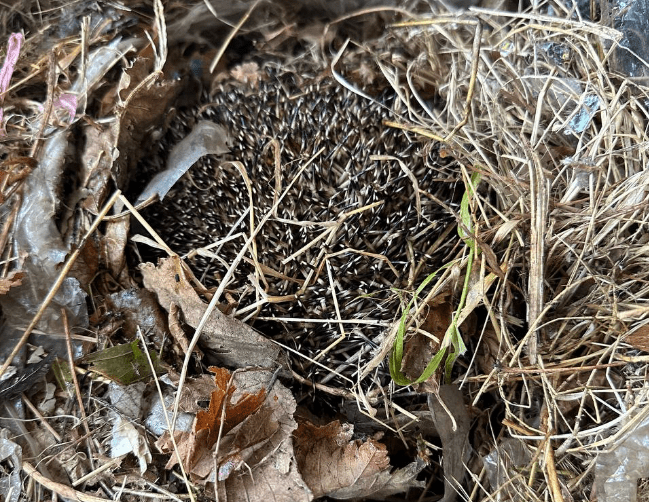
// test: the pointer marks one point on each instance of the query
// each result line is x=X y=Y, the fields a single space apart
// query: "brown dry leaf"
x=195 y=390
x=257 y=460
x=453 y=424
x=97 y=161
x=140 y=113
x=114 y=245
x=235 y=343
x=488 y=353
x=146 y=114
x=138 y=308
x=192 y=448
x=334 y=465
x=235 y=412
x=178 y=334
x=420 y=349
x=86 y=266
x=639 y=339
x=13 y=279
x=195 y=447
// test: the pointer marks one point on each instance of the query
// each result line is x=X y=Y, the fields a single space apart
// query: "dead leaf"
x=255 y=459
x=139 y=114
x=453 y=424
x=126 y=437
x=195 y=390
x=258 y=460
x=334 y=465
x=488 y=353
x=13 y=279
x=241 y=394
x=144 y=117
x=114 y=245
x=235 y=412
x=86 y=266
x=235 y=343
x=639 y=339
x=138 y=308
x=420 y=348
x=97 y=162
x=178 y=334
x=124 y=364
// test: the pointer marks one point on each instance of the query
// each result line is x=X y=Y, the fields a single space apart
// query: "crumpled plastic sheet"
x=126 y=437
x=206 y=138
x=10 y=453
x=630 y=18
x=577 y=105
x=618 y=469
x=36 y=236
x=501 y=462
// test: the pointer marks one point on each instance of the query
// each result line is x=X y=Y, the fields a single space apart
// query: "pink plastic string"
x=13 y=50
x=7 y=70
x=67 y=102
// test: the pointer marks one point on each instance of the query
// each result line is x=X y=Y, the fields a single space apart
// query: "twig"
x=64 y=491
x=111 y=463
x=41 y=418
x=166 y=415
x=75 y=381
x=231 y=35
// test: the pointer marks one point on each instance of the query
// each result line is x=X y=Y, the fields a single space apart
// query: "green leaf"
x=465 y=210
x=452 y=336
x=125 y=364
x=396 y=357
x=63 y=376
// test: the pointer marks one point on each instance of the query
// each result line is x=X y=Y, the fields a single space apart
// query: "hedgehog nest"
x=357 y=222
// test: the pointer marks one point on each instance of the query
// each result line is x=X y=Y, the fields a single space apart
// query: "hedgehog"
x=359 y=225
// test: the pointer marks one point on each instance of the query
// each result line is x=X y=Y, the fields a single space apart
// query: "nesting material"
x=560 y=142
x=350 y=226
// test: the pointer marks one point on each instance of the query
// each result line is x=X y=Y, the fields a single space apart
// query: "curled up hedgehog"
x=354 y=219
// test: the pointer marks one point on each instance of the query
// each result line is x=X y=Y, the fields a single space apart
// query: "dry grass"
x=560 y=141
x=560 y=217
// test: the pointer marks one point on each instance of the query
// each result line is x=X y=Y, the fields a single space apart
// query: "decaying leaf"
x=258 y=459
x=195 y=390
x=113 y=244
x=97 y=161
x=13 y=279
x=334 y=465
x=235 y=412
x=139 y=309
x=235 y=343
x=124 y=364
x=177 y=332
x=126 y=437
x=639 y=338
x=453 y=424
x=226 y=404
x=255 y=459
x=421 y=348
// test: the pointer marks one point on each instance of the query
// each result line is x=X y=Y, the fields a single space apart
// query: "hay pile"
x=560 y=142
